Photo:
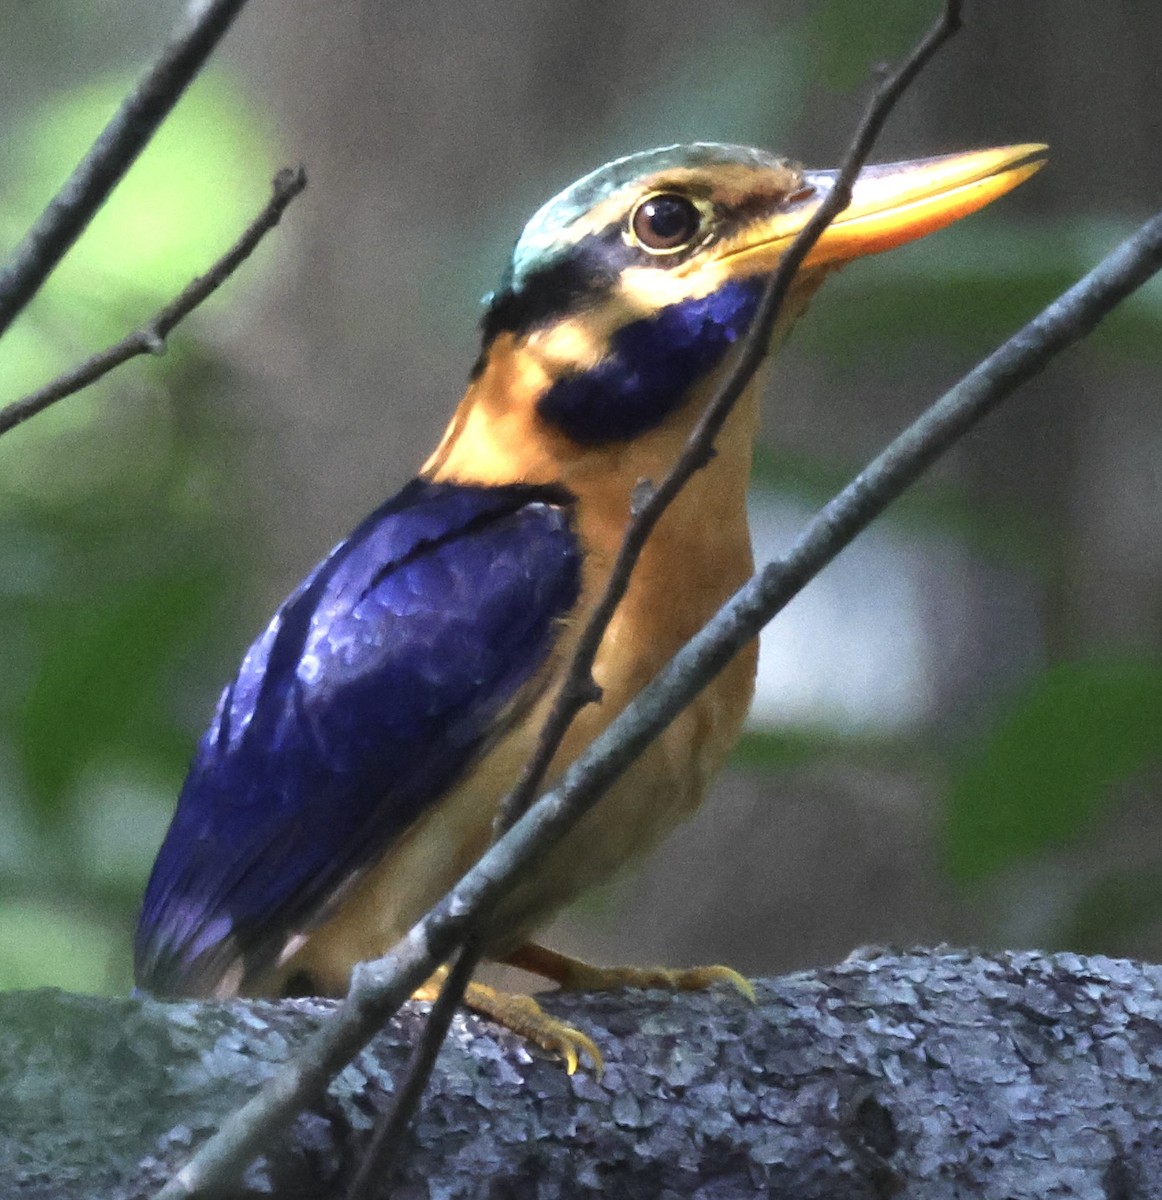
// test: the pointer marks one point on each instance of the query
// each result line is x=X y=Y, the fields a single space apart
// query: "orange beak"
x=891 y=204
x=896 y=203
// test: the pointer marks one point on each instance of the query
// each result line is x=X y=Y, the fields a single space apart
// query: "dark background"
x=959 y=727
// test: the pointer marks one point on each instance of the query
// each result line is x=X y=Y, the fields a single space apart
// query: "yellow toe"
x=524 y=1016
x=697 y=979
x=576 y=976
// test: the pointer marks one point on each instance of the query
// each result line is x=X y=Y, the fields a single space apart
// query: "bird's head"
x=625 y=292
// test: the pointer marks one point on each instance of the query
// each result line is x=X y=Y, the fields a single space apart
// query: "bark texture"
x=925 y=1074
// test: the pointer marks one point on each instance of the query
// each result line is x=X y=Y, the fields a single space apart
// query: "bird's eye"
x=664 y=223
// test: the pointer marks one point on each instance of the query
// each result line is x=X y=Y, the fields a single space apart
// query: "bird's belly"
x=664 y=786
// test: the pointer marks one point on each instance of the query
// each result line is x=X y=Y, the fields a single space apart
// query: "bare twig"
x=112 y=154
x=382 y=1152
x=650 y=503
x=379 y=987
x=150 y=338
x=579 y=688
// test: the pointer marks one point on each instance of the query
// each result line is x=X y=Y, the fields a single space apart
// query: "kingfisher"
x=353 y=767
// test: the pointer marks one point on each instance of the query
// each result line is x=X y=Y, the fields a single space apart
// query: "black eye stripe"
x=586 y=272
x=583 y=275
x=758 y=205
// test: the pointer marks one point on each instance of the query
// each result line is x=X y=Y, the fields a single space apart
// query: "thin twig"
x=579 y=687
x=1067 y=320
x=379 y=987
x=382 y=1151
x=380 y=1159
x=112 y=154
x=150 y=338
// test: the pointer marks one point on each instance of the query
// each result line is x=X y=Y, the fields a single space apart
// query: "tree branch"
x=112 y=154
x=379 y=987
x=150 y=338
x=937 y=1074
x=578 y=689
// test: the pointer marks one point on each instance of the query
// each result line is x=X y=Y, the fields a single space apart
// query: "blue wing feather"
x=375 y=685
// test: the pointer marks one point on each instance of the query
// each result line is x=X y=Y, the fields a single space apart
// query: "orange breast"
x=696 y=558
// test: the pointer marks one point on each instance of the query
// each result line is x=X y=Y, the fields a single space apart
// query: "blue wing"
x=376 y=684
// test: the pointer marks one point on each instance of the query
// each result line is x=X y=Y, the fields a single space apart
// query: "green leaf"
x=1050 y=763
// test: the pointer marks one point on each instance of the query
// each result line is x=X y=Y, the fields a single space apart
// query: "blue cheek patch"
x=650 y=367
x=375 y=686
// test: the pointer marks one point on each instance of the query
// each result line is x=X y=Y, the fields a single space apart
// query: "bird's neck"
x=696 y=557
x=497 y=436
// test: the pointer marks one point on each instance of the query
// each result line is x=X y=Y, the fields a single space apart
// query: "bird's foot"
x=574 y=975
x=525 y=1017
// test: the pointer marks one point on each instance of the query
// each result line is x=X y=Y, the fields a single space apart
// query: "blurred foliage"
x=113 y=565
x=973 y=287
x=1110 y=914
x=46 y=944
x=712 y=96
x=800 y=746
x=164 y=224
x=997 y=532
x=848 y=36
x=1052 y=761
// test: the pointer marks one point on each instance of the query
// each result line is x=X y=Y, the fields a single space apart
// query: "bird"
x=353 y=767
